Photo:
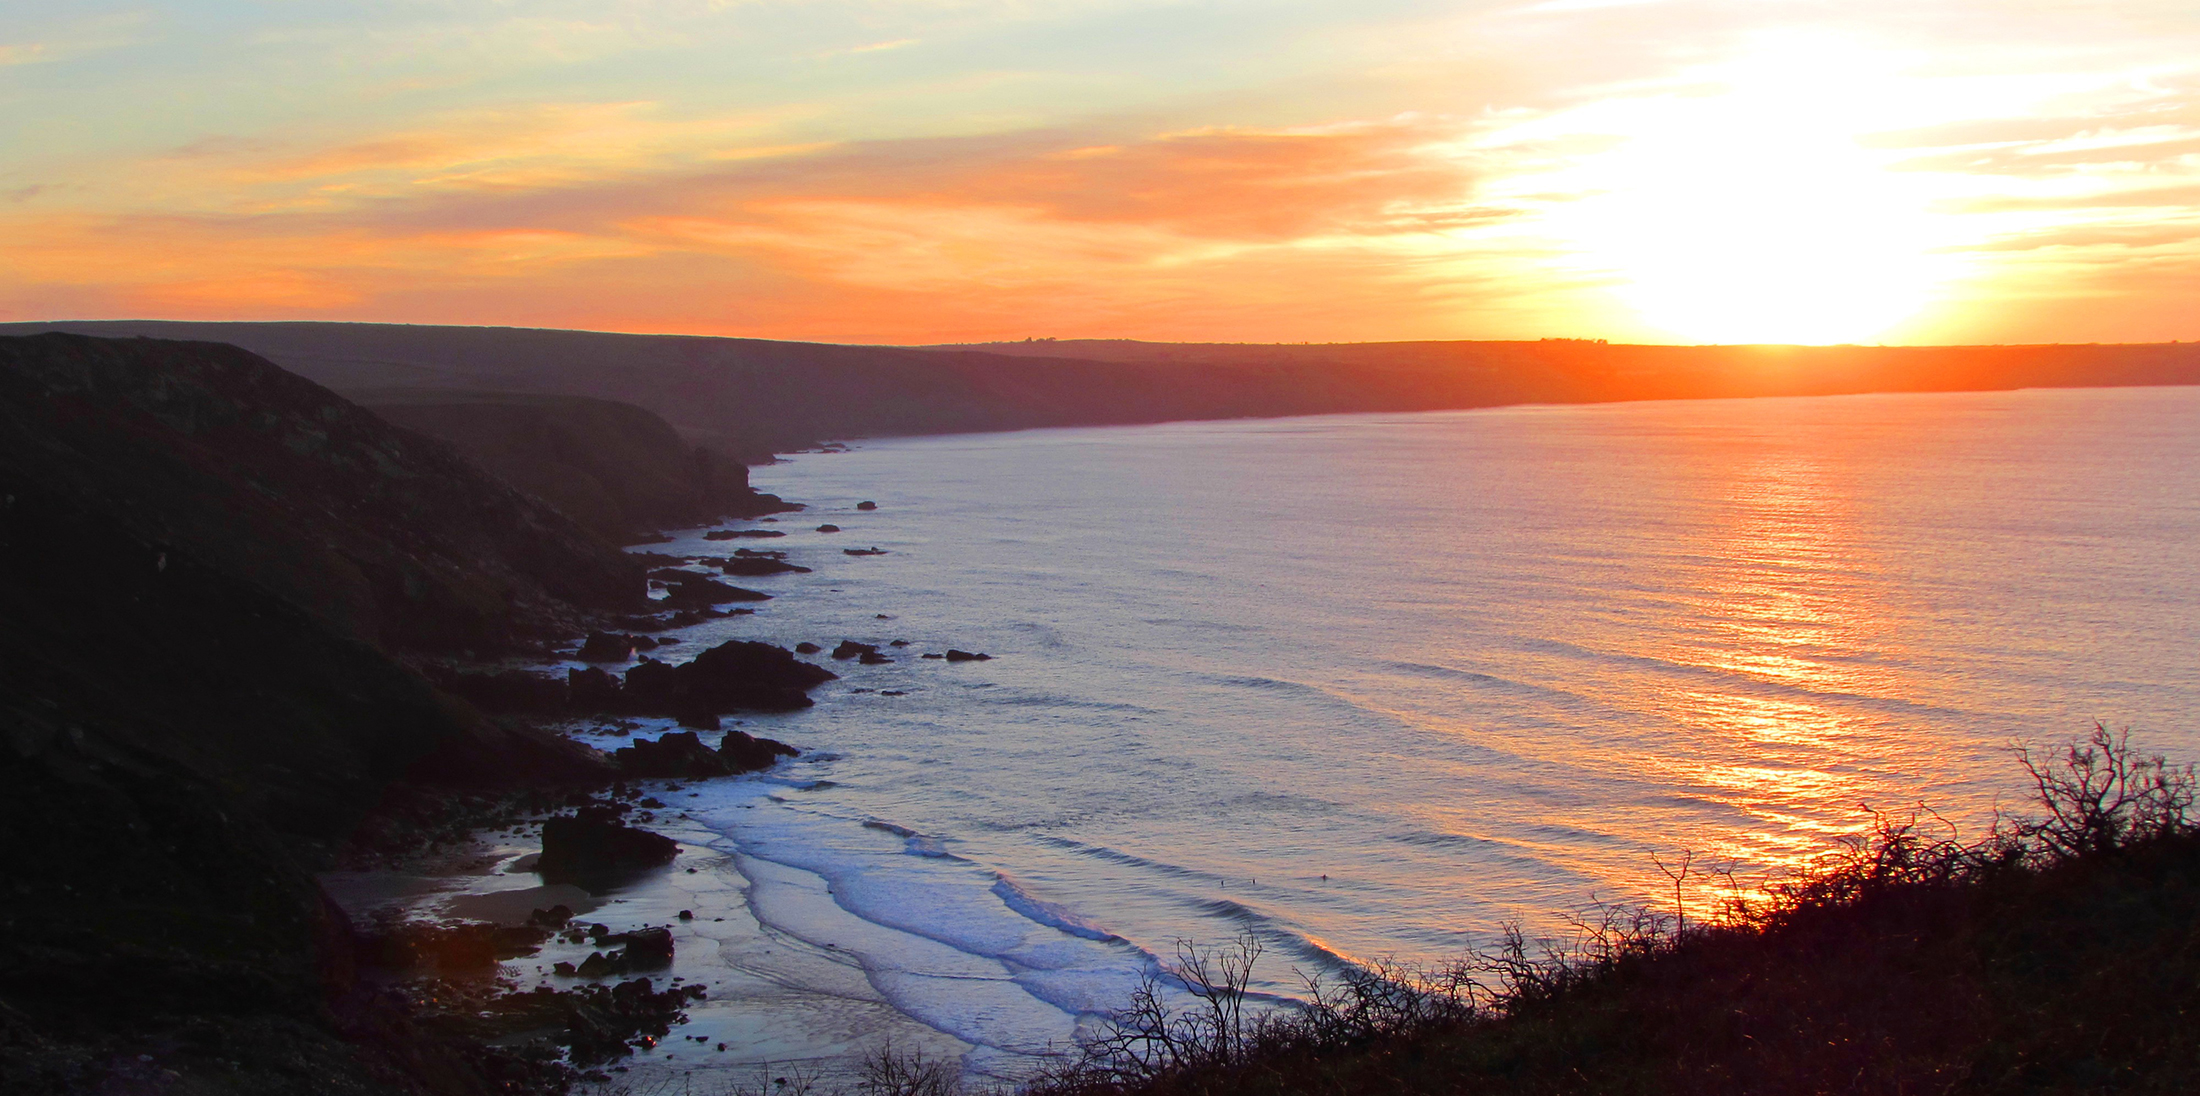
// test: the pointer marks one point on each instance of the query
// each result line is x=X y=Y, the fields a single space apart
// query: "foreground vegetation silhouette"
x=2059 y=953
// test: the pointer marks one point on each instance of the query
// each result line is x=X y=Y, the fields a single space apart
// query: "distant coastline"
x=749 y=398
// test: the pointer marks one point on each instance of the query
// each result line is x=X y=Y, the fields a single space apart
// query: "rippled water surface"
x=1368 y=685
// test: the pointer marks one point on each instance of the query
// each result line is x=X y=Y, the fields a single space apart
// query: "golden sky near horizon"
x=910 y=171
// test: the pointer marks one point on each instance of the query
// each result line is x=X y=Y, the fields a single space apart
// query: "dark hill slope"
x=386 y=535
x=749 y=397
x=187 y=722
x=614 y=467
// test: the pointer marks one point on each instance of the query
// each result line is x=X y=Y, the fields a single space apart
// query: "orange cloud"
x=902 y=241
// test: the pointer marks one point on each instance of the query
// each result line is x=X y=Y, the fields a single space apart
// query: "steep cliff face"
x=615 y=468
x=205 y=567
x=388 y=536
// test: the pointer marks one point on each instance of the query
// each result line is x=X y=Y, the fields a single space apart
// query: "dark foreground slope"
x=217 y=454
x=750 y=397
x=2059 y=955
x=189 y=720
x=614 y=467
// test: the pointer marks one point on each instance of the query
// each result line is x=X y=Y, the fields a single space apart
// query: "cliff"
x=217 y=454
x=206 y=565
x=617 y=469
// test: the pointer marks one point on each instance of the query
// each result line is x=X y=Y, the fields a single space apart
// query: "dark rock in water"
x=674 y=755
x=967 y=656
x=745 y=674
x=733 y=676
x=642 y=949
x=872 y=551
x=807 y=648
x=701 y=721
x=930 y=655
x=899 y=643
x=752 y=553
x=687 y=915
x=651 y=686
x=851 y=649
x=607 y=647
x=593 y=689
x=873 y=658
x=556 y=917
x=593 y=848
x=694 y=591
x=747 y=753
x=758 y=566
x=650 y=947
x=741 y=534
x=866 y=505
x=828 y=528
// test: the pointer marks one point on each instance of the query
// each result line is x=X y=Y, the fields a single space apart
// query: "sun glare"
x=1741 y=207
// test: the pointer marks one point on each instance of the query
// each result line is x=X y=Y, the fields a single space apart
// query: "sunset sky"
x=909 y=171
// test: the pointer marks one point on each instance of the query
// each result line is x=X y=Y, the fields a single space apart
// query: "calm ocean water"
x=1370 y=685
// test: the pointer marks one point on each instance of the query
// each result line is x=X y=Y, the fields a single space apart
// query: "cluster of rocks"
x=866 y=653
x=739 y=675
x=688 y=590
x=680 y=755
x=618 y=647
x=757 y=564
x=736 y=675
x=596 y=1024
x=742 y=534
x=620 y=952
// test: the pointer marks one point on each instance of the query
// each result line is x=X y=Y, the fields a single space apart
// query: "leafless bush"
x=887 y=1072
x=2100 y=795
x=1151 y=1037
x=1379 y=1000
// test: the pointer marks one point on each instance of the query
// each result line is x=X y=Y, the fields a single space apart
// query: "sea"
x=1372 y=687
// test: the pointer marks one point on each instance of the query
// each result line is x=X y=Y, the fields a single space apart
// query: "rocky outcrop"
x=614 y=467
x=758 y=566
x=744 y=752
x=594 y=849
x=681 y=755
x=687 y=590
x=733 y=676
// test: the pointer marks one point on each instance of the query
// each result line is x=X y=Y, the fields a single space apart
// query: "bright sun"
x=1745 y=210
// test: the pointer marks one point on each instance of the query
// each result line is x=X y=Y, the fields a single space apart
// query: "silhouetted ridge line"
x=750 y=397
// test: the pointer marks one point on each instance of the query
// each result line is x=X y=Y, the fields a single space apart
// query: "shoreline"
x=772 y=1000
